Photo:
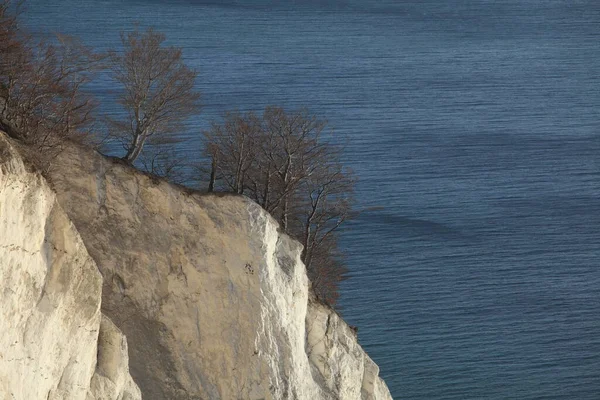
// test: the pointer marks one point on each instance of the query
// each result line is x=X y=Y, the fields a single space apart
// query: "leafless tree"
x=42 y=101
x=326 y=203
x=8 y=27
x=282 y=163
x=158 y=93
x=232 y=147
x=327 y=271
x=291 y=151
x=162 y=161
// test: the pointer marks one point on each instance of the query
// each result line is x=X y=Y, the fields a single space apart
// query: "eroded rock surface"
x=50 y=293
x=111 y=379
x=212 y=297
x=347 y=371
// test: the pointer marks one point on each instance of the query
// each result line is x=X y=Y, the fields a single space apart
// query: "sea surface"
x=474 y=128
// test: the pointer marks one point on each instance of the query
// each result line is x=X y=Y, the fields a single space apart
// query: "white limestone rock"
x=212 y=297
x=50 y=291
x=332 y=347
x=111 y=379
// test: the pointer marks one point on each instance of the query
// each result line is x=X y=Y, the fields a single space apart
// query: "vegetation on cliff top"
x=279 y=159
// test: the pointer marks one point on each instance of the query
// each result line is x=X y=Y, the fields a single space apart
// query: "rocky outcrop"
x=111 y=379
x=347 y=371
x=50 y=293
x=212 y=297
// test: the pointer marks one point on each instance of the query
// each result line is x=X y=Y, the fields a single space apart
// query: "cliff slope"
x=54 y=341
x=212 y=298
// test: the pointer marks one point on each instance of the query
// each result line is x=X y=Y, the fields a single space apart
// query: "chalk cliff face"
x=212 y=297
x=54 y=341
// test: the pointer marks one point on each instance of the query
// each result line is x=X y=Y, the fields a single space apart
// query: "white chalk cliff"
x=212 y=298
x=54 y=341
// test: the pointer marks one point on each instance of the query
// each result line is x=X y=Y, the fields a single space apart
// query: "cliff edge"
x=213 y=299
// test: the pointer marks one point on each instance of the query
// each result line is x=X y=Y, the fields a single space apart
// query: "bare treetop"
x=158 y=92
x=42 y=101
x=282 y=162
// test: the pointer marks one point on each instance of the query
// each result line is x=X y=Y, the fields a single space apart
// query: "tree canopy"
x=42 y=101
x=157 y=91
x=281 y=161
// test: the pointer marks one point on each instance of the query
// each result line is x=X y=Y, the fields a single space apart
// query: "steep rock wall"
x=50 y=292
x=347 y=371
x=213 y=299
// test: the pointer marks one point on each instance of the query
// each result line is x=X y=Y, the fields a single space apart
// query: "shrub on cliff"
x=42 y=101
x=281 y=161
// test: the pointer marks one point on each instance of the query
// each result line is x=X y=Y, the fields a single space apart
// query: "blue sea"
x=474 y=128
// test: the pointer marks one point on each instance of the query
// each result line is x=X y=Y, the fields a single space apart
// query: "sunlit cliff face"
x=55 y=342
x=213 y=300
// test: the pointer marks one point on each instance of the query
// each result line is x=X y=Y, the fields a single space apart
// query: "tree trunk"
x=284 y=214
x=265 y=203
x=136 y=148
x=304 y=255
x=213 y=174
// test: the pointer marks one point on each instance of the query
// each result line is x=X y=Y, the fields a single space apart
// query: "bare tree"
x=326 y=203
x=232 y=148
x=12 y=56
x=8 y=30
x=327 y=271
x=158 y=92
x=42 y=101
x=293 y=153
x=162 y=161
x=326 y=206
x=283 y=164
